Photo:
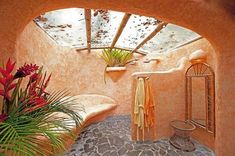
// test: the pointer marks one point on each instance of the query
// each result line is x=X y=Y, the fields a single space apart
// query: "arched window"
x=200 y=96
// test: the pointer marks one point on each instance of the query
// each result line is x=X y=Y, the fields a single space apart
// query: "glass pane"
x=136 y=29
x=199 y=100
x=67 y=26
x=104 y=25
x=168 y=38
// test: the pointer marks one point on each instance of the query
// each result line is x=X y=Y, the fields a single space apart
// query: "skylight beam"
x=150 y=36
x=120 y=29
x=88 y=28
x=184 y=44
x=95 y=48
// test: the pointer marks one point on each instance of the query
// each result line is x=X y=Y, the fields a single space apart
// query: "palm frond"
x=116 y=57
x=21 y=133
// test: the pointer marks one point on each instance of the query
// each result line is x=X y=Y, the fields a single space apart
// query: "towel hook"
x=146 y=77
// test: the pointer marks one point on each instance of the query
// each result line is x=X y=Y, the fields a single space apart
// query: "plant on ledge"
x=116 y=57
x=31 y=114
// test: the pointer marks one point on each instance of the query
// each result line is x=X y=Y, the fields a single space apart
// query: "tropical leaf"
x=21 y=134
x=116 y=57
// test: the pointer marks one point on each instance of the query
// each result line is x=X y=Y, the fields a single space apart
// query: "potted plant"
x=30 y=113
x=116 y=59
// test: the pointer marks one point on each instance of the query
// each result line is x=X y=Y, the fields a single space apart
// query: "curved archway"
x=186 y=14
x=194 y=14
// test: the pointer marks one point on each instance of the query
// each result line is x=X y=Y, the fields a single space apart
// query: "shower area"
x=129 y=106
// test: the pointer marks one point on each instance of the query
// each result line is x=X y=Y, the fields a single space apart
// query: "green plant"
x=116 y=57
x=31 y=114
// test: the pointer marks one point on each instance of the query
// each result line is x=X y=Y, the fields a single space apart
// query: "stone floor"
x=112 y=137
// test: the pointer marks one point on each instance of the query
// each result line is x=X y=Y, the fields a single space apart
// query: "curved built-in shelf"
x=96 y=108
x=181 y=65
x=115 y=69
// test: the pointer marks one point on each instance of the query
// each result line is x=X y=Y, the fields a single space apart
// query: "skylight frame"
x=125 y=20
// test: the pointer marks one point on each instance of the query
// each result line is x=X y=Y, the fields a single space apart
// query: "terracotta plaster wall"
x=80 y=72
x=83 y=72
x=208 y=18
x=170 y=60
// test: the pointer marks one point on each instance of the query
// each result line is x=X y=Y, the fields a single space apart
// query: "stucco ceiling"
x=67 y=27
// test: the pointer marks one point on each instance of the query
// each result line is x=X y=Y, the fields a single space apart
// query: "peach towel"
x=149 y=106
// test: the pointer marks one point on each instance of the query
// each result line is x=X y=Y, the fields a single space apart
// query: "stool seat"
x=181 y=138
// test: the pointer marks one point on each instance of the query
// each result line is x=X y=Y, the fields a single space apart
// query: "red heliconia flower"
x=7 y=89
x=9 y=68
x=34 y=77
x=43 y=88
x=35 y=103
x=25 y=70
x=3 y=117
x=7 y=80
x=47 y=81
x=33 y=84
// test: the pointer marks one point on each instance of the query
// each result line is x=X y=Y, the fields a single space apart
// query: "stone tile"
x=122 y=151
x=129 y=146
x=146 y=153
x=134 y=153
x=112 y=137
x=103 y=148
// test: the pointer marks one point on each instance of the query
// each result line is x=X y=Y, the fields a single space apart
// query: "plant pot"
x=115 y=69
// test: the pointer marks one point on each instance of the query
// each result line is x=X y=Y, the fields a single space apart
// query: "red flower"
x=25 y=70
x=34 y=77
x=9 y=68
x=43 y=88
x=7 y=80
x=36 y=86
x=47 y=81
x=36 y=103
x=3 y=117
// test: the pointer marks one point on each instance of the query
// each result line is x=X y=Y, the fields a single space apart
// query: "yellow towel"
x=139 y=106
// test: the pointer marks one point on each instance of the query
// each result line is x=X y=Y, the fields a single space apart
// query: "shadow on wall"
x=229 y=5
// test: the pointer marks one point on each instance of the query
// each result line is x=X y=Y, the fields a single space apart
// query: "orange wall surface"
x=208 y=18
x=83 y=72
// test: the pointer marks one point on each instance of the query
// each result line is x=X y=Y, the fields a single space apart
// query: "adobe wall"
x=207 y=18
x=83 y=73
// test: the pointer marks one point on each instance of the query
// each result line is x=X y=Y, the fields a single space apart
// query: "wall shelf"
x=115 y=69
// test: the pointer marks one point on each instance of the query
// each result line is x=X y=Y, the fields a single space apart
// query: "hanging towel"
x=139 y=106
x=149 y=107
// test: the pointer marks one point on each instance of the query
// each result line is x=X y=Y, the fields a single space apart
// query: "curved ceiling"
x=90 y=29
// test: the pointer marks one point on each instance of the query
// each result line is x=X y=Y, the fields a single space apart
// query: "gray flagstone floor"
x=112 y=137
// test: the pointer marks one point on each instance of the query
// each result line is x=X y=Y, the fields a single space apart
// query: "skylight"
x=67 y=27
x=136 y=29
x=104 y=26
x=169 y=38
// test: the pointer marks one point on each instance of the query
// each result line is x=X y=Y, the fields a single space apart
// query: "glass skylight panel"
x=136 y=29
x=168 y=38
x=104 y=25
x=67 y=26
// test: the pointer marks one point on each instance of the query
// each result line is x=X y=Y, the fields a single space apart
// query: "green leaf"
x=19 y=134
x=116 y=57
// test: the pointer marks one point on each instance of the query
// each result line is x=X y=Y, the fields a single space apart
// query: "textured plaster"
x=207 y=18
x=83 y=73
